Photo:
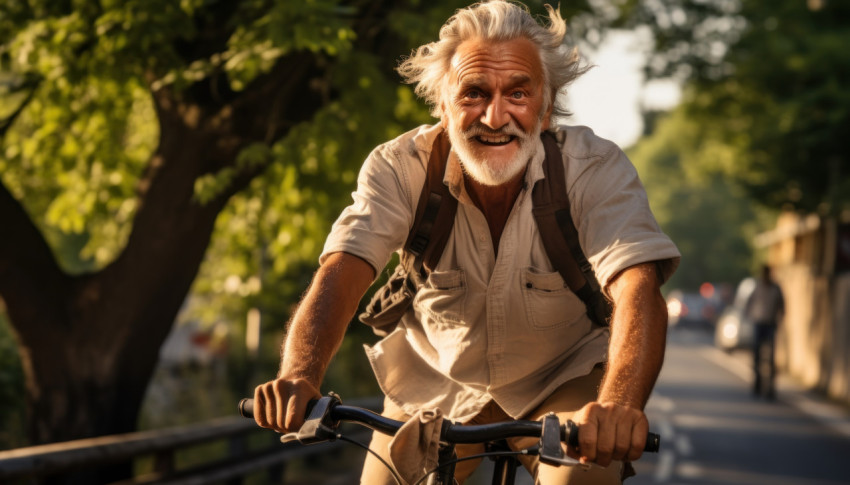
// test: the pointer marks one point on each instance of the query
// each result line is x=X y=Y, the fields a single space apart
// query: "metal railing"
x=54 y=459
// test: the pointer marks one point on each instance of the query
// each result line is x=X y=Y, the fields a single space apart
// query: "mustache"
x=478 y=129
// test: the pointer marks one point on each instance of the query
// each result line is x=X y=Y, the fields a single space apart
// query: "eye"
x=473 y=94
x=517 y=95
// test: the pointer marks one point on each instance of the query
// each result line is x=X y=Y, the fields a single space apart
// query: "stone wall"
x=814 y=341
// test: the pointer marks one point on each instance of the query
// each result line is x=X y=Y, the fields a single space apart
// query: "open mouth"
x=494 y=141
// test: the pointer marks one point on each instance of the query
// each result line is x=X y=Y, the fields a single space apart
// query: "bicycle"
x=325 y=415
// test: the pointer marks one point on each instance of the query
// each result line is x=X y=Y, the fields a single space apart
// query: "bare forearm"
x=318 y=326
x=313 y=337
x=638 y=338
x=614 y=426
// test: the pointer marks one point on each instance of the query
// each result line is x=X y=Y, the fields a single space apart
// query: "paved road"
x=714 y=432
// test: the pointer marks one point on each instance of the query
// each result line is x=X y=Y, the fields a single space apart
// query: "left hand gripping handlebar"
x=318 y=424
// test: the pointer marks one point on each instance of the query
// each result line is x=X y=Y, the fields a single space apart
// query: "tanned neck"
x=495 y=202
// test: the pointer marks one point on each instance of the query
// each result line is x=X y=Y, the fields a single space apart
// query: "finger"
x=300 y=398
x=295 y=411
x=281 y=391
x=639 y=433
x=606 y=437
x=623 y=440
x=588 y=441
x=271 y=405
x=259 y=408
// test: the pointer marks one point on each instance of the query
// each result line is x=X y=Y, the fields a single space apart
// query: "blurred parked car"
x=733 y=330
x=690 y=309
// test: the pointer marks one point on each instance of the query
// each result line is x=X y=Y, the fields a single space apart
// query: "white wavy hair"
x=496 y=20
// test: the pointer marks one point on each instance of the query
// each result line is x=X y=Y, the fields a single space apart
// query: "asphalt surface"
x=714 y=431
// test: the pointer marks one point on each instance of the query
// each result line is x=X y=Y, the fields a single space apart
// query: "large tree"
x=129 y=126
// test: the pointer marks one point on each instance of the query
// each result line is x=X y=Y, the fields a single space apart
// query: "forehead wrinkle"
x=487 y=60
x=488 y=56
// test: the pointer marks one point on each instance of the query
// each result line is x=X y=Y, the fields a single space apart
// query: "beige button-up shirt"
x=493 y=325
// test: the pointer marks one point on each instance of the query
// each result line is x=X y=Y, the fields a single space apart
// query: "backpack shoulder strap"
x=435 y=214
x=551 y=209
x=432 y=224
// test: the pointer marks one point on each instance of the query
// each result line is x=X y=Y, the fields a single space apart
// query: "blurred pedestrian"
x=765 y=308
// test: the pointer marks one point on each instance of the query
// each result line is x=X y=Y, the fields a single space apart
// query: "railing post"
x=163 y=463
x=236 y=447
x=276 y=473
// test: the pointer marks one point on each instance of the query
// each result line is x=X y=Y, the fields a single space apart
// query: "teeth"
x=495 y=139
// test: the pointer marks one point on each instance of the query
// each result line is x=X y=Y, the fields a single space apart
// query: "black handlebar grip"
x=653 y=440
x=246 y=408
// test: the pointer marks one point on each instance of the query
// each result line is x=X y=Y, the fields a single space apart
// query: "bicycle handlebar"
x=451 y=432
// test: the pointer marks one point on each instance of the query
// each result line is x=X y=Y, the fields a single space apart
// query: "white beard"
x=481 y=169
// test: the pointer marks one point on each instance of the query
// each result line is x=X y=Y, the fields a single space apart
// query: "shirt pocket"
x=443 y=297
x=549 y=303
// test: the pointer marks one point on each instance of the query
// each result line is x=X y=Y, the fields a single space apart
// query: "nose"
x=495 y=116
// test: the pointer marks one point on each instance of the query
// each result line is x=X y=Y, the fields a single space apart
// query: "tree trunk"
x=89 y=343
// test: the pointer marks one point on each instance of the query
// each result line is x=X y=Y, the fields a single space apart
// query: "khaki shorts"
x=565 y=402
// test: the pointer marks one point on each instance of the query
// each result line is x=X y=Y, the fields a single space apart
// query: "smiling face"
x=494 y=107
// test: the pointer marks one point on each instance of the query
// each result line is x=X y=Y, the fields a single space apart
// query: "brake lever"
x=317 y=427
x=550 y=444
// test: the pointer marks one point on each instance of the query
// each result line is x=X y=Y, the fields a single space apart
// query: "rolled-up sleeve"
x=377 y=222
x=616 y=226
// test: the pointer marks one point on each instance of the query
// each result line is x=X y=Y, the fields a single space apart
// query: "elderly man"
x=494 y=334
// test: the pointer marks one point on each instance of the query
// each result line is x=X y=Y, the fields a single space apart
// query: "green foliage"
x=690 y=37
x=774 y=97
x=706 y=214
x=272 y=233
x=76 y=151
x=760 y=128
x=263 y=32
x=791 y=70
x=75 y=157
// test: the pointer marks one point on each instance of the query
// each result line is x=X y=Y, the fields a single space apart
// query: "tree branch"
x=31 y=281
x=31 y=84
